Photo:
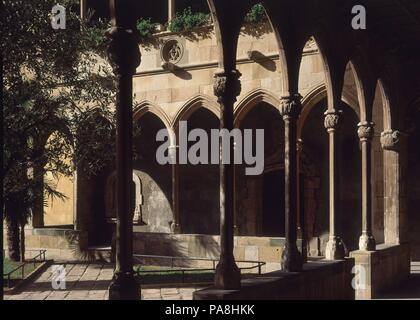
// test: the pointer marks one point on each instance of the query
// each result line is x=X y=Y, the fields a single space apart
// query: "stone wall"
x=257 y=61
x=60 y=211
x=264 y=249
x=319 y=280
x=381 y=270
x=61 y=244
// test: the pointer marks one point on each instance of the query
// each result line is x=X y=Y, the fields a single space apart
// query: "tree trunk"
x=22 y=242
x=13 y=235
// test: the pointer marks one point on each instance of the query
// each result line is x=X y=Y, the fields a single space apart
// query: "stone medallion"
x=172 y=51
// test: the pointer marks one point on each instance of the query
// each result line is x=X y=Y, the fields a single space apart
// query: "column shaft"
x=335 y=247
x=124 y=55
x=171 y=9
x=83 y=9
x=301 y=223
x=176 y=225
x=367 y=241
x=291 y=257
x=226 y=88
x=395 y=220
x=124 y=174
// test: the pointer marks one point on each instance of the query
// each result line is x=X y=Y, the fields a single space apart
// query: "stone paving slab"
x=91 y=282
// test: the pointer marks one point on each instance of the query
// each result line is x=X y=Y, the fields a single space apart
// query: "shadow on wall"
x=170 y=245
x=177 y=71
x=262 y=60
x=156 y=183
x=256 y=30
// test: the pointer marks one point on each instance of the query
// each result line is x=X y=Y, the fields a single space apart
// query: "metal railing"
x=21 y=267
x=183 y=271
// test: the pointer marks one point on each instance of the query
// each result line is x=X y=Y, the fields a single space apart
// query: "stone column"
x=171 y=9
x=83 y=9
x=394 y=206
x=235 y=204
x=335 y=247
x=175 y=226
x=289 y=109
x=301 y=223
x=365 y=132
x=226 y=89
x=124 y=55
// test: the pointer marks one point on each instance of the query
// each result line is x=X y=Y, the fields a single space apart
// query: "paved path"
x=90 y=282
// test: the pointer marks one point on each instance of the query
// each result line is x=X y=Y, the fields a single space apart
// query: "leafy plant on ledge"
x=256 y=14
x=255 y=22
x=146 y=28
x=187 y=20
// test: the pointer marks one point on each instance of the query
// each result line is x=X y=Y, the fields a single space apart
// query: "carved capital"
x=123 y=50
x=365 y=131
x=390 y=140
x=290 y=106
x=227 y=84
x=332 y=120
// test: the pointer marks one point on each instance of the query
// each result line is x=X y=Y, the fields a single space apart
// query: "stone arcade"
x=206 y=149
x=341 y=181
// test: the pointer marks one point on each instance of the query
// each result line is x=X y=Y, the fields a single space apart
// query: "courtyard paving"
x=90 y=282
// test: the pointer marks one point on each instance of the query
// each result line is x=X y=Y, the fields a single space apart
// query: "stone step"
x=415 y=267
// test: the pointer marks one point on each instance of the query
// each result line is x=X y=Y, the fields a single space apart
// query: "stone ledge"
x=384 y=268
x=320 y=279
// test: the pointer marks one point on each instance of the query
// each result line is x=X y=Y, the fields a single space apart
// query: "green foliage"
x=256 y=14
x=187 y=20
x=9 y=265
x=94 y=38
x=52 y=80
x=146 y=28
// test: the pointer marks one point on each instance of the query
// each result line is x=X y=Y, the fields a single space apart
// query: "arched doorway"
x=260 y=199
x=152 y=181
x=199 y=184
x=314 y=168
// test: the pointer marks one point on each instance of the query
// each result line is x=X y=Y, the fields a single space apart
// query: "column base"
x=175 y=228
x=334 y=249
x=304 y=251
x=235 y=230
x=124 y=287
x=228 y=275
x=291 y=259
x=367 y=242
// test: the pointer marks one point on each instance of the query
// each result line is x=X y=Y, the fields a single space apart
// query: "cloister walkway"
x=90 y=282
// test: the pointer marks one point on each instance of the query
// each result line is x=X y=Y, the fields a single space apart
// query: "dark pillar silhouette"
x=227 y=88
x=124 y=55
x=290 y=109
